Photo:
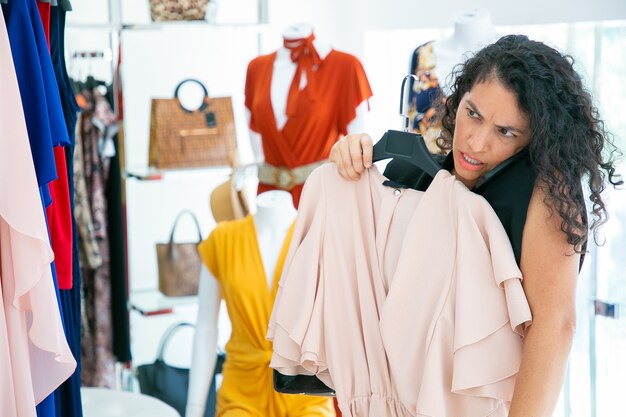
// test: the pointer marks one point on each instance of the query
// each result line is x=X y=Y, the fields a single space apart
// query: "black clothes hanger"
x=407 y=146
x=404 y=145
x=92 y=83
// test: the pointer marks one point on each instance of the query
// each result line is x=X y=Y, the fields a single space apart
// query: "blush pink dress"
x=407 y=303
x=34 y=356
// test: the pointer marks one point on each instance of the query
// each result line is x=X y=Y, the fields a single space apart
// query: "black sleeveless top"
x=508 y=192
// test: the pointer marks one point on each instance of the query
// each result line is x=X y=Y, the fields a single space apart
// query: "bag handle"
x=195 y=220
x=205 y=101
x=168 y=335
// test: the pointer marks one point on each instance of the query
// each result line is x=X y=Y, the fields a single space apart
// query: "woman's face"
x=489 y=128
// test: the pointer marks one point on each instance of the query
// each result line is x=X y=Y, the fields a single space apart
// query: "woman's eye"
x=506 y=132
x=471 y=113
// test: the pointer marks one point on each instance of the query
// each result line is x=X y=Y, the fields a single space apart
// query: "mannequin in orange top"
x=301 y=99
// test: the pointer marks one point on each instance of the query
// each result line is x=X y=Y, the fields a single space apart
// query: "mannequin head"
x=473 y=16
x=297 y=31
x=473 y=29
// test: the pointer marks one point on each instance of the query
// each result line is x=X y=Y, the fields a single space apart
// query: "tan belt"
x=285 y=178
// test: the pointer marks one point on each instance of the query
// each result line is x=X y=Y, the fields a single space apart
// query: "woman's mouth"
x=469 y=163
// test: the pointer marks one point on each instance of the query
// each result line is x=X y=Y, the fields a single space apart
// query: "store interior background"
x=383 y=34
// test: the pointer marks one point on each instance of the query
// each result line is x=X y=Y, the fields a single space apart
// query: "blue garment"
x=47 y=408
x=67 y=396
x=31 y=83
x=67 y=95
x=56 y=118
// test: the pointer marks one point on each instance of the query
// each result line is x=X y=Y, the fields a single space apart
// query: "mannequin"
x=296 y=142
x=472 y=30
x=273 y=219
x=284 y=70
x=433 y=63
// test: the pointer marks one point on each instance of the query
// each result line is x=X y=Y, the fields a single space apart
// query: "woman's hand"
x=352 y=154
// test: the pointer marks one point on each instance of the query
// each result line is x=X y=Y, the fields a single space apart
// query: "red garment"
x=60 y=222
x=319 y=120
x=44 y=12
x=305 y=56
x=59 y=212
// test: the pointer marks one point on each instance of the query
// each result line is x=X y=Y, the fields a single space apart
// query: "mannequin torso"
x=272 y=221
x=273 y=218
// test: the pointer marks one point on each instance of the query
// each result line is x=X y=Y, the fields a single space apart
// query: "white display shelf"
x=152 y=302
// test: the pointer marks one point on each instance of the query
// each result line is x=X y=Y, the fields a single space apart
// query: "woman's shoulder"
x=509 y=193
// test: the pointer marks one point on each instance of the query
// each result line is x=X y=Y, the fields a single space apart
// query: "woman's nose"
x=479 y=140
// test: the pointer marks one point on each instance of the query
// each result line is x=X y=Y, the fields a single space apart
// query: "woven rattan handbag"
x=183 y=138
x=168 y=10
x=179 y=263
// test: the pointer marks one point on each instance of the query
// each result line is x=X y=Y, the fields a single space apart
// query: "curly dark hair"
x=569 y=141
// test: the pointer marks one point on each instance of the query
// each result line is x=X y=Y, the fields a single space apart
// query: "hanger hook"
x=405 y=117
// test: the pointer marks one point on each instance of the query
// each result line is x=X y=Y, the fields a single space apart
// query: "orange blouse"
x=308 y=136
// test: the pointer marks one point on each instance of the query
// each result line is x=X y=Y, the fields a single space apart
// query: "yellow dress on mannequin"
x=232 y=254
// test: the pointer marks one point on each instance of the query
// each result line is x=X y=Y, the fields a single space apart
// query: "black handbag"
x=301 y=384
x=169 y=383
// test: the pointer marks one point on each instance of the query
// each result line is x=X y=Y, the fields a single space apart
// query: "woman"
x=521 y=99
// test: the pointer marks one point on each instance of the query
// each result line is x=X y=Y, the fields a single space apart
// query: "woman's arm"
x=549 y=267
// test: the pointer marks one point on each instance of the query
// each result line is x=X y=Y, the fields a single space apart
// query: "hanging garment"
x=426 y=98
x=67 y=396
x=58 y=212
x=89 y=250
x=57 y=52
x=231 y=253
x=31 y=79
x=35 y=356
x=117 y=258
x=44 y=12
x=98 y=124
x=318 y=120
x=59 y=217
x=407 y=303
